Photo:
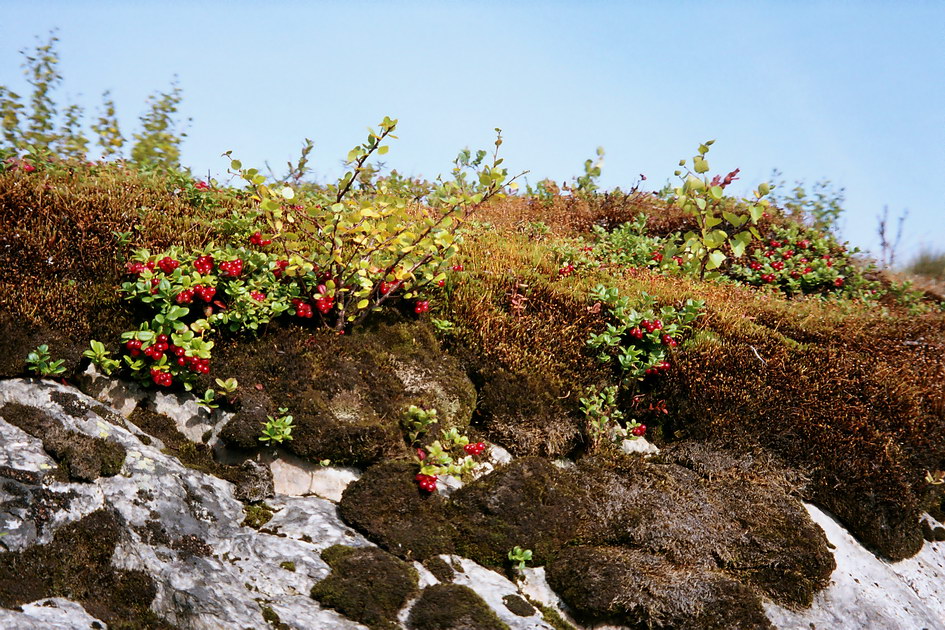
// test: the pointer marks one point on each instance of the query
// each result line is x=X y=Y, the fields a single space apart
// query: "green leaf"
x=700 y=165
x=716 y=259
x=756 y=212
x=236 y=165
x=716 y=192
x=736 y=220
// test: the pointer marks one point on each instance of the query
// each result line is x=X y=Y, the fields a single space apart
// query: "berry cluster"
x=639 y=430
x=302 y=308
x=168 y=264
x=258 y=240
x=161 y=378
x=798 y=261
x=421 y=307
x=426 y=482
x=475 y=449
x=566 y=271
x=203 y=265
x=232 y=268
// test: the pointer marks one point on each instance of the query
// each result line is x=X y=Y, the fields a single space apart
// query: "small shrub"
x=40 y=362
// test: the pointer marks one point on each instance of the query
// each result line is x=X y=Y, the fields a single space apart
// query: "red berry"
x=457 y=267
x=185 y=297
x=838 y=282
x=256 y=295
x=804 y=244
x=636 y=333
x=422 y=306
x=168 y=264
x=441 y=283
x=658 y=257
x=769 y=253
x=639 y=431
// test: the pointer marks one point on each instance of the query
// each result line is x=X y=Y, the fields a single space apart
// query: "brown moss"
x=639 y=589
x=386 y=505
x=518 y=606
x=720 y=513
x=440 y=569
x=529 y=503
x=367 y=585
x=525 y=413
x=77 y=565
x=452 y=607
x=83 y=458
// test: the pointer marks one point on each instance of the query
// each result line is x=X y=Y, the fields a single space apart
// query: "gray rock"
x=54 y=613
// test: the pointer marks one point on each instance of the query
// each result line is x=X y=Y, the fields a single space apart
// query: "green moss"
x=452 y=607
x=257 y=515
x=287 y=565
x=367 y=585
x=552 y=617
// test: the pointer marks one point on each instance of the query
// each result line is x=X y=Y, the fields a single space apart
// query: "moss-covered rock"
x=452 y=607
x=386 y=505
x=83 y=458
x=347 y=394
x=77 y=565
x=529 y=503
x=729 y=517
x=640 y=589
x=367 y=585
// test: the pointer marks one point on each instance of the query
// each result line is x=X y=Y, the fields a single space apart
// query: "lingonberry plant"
x=605 y=419
x=796 y=260
x=453 y=454
x=520 y=556
x=638 y=337
x=101 y=357
x=349 y=254
x=40 y=362
x=277 y=430
x=705 y=200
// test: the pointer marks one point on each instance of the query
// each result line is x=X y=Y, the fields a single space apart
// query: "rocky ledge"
x=105 y=526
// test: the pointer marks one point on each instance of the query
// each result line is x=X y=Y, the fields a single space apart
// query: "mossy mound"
x=644 y=590
x=725 y=517
x=367 y=585
x=81 y=457
x=347 y=393
x=529 y=503
x=452 y=607
x=77 y=565
x=386 y=505
x=858 y=407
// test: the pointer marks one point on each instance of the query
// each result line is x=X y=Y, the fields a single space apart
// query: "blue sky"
x=849 y=91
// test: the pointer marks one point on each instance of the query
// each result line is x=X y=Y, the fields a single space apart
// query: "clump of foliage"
x=350 y=255
x=704 y=199
x=797 y=260
x=440 y=457
x=41 y=363
x=640 y=338
x=279 y=429
x=46 y=130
